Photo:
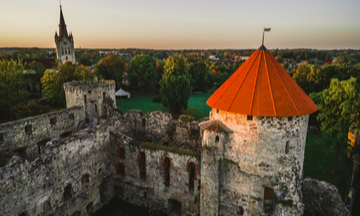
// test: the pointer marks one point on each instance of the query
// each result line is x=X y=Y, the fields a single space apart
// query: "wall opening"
x=167 y=172
x=290 y=118
x=68 y=192
x=119 y=191
x=240 y=210
x=85 y=180
x=1 y=137
x=191 y=176
x=120 y=169
x=174 y=207
x=41 y=145
x=77 y=213
x=104 y=191
x=21 y=151
x=47 y=207
x=121 y=153
x=28 y=129
x=143 y=122
x=95 y=108
x=249 y=117
x=217 y=139
x=217 y=111
x=71 y=116
x=90 y=208
x=89 y=91
x=268 y=199
x=104 y=95
x=53 y=121
x=142 y=165
x=23 y=214
x=65 y=134
x=287 y=147
x=85 y=98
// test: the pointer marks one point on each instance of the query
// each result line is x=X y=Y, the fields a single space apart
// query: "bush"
x=157 y=99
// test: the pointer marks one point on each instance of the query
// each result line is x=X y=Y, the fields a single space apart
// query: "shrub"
x=157 y=99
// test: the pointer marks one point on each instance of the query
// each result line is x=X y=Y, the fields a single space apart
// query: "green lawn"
x=143 y=101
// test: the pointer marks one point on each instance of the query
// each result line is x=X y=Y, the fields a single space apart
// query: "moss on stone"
x=186 y=118
x=154 y=146
x=288 y=202
x=204 y=119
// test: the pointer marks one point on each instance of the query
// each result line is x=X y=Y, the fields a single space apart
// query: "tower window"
x=167 y=172
x=287 y=147
x=95 y=108
x=249 y=117
x=290 y=118
x=268 y=199
x=68 y=192
x=85 y=98
x=217 y=139
x=240 y=210
x=142 y=165
x=121 y=153
x=62 y=50
x=217 y=111
x=191 y=176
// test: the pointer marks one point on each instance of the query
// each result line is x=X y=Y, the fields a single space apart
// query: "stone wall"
x=145 y=184
x=323 y=198
x=26 y=133
x=72 y=175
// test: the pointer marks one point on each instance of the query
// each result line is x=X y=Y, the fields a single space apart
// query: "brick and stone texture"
x=145 y=184
x=323 y=198
x=27 y=134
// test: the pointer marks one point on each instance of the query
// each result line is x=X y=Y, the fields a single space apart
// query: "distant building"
x=213 y=57
x=64 y=42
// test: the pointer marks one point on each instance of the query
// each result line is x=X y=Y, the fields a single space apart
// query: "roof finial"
x=60 y=4
x=265 y=30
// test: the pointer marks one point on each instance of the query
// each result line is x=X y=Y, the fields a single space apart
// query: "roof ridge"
x=252 y=98
x=269 y=82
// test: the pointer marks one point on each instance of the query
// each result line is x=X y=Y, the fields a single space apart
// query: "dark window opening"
x=90 y=208
x=191 y=176
x=199 y=185
x=65 y=134
x=217 y=139
x=71 y=116
x=120 y=169
x=89 y=91
x=23 y=214
x=47 y=207
x=240 y=210
x=167 y=172
x=85 y=179
x=21 y=152
x=121 y=153
x=95 y=108
x=5 y=158
x=41 y=145
x=1 y=137
x=104 y=95
x=143 y=122
x=85 y=99
x=290 y=118
x=174 y=207
x=28 y=129
x=66 y=58
x=142 y=165
x=53 y=121
x=104 y=191
x=249 y=117
x=268 y=199
x=287 y=147
x=217 y=111
x=77 y=213
x=119 y=191
x=68 y=192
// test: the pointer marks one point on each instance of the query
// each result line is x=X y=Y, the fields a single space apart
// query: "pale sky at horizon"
x=186 y=24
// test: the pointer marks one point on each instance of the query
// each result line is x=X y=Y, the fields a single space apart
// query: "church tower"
x=64 y=42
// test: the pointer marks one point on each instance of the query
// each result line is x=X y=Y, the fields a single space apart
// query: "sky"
x=183 y=24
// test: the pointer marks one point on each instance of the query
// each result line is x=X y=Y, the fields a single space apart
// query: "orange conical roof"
x=262 y=87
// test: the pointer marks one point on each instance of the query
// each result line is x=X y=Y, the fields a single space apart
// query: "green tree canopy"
x=175 y=84
x=39 y=69
x=111 y=67
x=201 y=78
x=53 y=80
x=12 y=88
x=143 y=72
x=339 y=109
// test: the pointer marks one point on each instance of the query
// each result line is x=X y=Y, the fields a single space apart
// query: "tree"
x=39 y=69
x=339 y=108
x=12 y=88
x=111 y=67
x=84 y=61
x=143 y=72
x=53 y=80
x=175 y=84
x=201 y=79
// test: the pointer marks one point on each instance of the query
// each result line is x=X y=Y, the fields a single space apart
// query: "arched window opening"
x=268 y=199
x=68 y=192
x=47 y=207
x=85 y=180
x=217 y=139
x=142 y=165
x=167 y=172
x=287 y=147
x=191 y=176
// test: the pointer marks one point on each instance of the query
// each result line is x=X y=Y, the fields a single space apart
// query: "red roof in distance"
x=262 y=87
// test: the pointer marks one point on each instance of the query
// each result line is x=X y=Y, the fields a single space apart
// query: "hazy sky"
x=183 y=24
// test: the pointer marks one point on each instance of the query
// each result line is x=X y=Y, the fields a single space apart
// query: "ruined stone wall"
x=73 y=175
x=187 y=134
x=24 y=134
x=149 y=189
x=323 y=198
x=90 y=95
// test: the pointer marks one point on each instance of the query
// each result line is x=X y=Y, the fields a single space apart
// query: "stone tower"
x=64 y=42
x=254 y=143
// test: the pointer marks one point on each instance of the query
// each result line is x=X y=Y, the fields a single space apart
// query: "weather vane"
x=265 y=30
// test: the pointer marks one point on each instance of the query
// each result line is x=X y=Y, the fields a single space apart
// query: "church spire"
x=62 y=25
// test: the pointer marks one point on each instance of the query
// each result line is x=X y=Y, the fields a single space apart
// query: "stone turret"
x=254 y=142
